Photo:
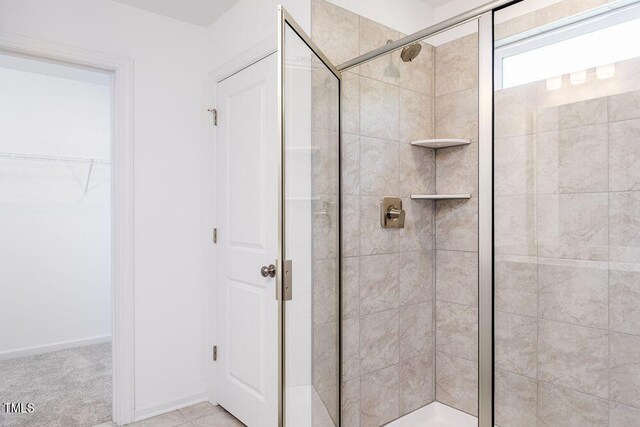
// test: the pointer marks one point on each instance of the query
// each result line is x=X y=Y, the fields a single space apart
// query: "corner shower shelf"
x=440 y=196
x=440 y=143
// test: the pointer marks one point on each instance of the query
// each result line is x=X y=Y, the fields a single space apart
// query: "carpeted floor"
x=69 y=388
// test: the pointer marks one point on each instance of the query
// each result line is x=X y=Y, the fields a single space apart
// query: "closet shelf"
x=440 y=196
x=440 y=143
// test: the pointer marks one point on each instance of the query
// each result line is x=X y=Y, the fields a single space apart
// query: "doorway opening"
x=55 y=193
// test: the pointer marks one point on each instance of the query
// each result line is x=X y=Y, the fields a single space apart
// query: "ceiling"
x=199 y=12
x=436 y=3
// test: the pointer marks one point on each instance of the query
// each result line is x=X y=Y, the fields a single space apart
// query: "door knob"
x=269 y=271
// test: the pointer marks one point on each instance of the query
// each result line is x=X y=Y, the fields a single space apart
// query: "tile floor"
x=200 y=415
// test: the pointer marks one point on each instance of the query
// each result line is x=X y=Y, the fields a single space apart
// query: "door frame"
x=122 y=220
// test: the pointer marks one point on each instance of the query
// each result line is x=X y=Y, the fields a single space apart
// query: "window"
x=573 y=48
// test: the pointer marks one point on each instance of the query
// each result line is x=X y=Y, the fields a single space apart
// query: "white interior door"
x=247 y=216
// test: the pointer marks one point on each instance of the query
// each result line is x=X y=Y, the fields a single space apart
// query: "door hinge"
x=215 y=353
x=215 y=235
x=214 y=112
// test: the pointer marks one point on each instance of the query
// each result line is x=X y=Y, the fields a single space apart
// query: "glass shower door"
x=567 y=214
x=309 y=291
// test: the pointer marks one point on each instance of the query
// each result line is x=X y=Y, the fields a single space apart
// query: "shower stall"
x=460 y=208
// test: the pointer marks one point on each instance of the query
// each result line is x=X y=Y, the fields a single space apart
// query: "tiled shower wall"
x=567 y=270
x=456 y=278
x=387 y=306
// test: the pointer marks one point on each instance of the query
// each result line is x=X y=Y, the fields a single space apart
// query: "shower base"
x=436 y=415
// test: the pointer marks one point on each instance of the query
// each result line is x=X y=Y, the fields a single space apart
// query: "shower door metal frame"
x=484 y=17
x=485 y=221
x=285 y=19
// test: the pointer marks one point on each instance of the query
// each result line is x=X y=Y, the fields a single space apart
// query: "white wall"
x=249 y=23
x=55 y=275
x=170 y=136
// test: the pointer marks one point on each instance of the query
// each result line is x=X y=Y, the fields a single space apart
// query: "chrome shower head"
x=410 y=52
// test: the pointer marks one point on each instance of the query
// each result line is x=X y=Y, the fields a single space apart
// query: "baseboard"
x=48 y=348
x=155 y=410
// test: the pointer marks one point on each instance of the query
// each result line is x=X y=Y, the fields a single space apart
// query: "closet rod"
x=44 y=158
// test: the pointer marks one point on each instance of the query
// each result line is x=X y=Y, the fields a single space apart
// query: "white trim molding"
x=56 y=346
x=155 y=410
x=247 y=58
x=122 y=226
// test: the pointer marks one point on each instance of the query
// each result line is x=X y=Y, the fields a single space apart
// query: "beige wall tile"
x=350 y=231
x=350 y=165
x=416 y=116
x=324 y=97
x=457 y=170
x=566 y=408
x=457 y=225
x=624 y=236
x=416 y=277
x=350 y=290
x=624 y=155
x=457 y=383
x=515 y=111
x=624 y=301
x=325 y=223
x=417 y=380
x=574 y=226
x=516 y=287
x=516 y=344
x=379 y=341
x=516 y=400
x=350 y=98
x=351 y=403
x=574 y=356
x=378 y=109
x=582 y=159
x=325 y=356
x=572 y=160
x=378 y=167
x=572 y=115
x=516 y=230
x=380 y=397
x=627 y=77
x=350 y=348
x=574 y=293
x=379 y=289
x=457 y=330
x=457 y=277
x=514 y=165
x=457 y=65
x=417 y=234
x=372 y=36
x=325 y=290
x=323 y=160
x=342 y=42
x=624 y=106
x=456 y=115
x=622 y=415
x=417 y=170
x=416 y=330
x=625 y=375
